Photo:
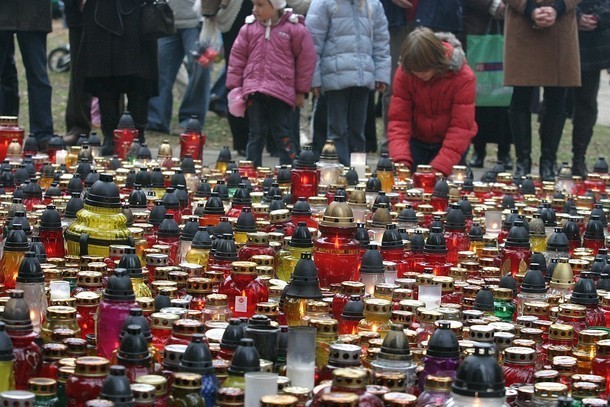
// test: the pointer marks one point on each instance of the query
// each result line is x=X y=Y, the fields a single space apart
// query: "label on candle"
x=241 y=303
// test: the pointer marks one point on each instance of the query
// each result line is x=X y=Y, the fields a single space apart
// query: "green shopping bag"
x=486 y=58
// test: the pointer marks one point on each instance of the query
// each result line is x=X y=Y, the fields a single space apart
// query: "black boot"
x=504 y=156
x=521 y=129
x=551 y=130
x=580 y=141
x=548 y=169
x=108 y=146
x=478 y=157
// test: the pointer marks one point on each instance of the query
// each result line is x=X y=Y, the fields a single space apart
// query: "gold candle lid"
x=438 y=383
x=143 y=393
x=92 y=366
x=339 y=399
x=302 y=394
x=163 y=320
x=61 y=313
x=352 y=288
x=218 y=300
x=582 y=390
x=378 y=306
x=520 y=355
x=603 y=347
x=243 y=267
x=325 y=326
x=279 y=400
x=42 y=386
x=395 y=381
x=561 y=332
x=158 y=381
x=591 y=336
x=564 y=364
x=199 y=285
x=187 y=381
x=546 y=376
x=349 y=378
x=537 y=308
x=533 y=334
x=572 y=311
x=87 y=299
x=397 y=399
x=146 y=303
x=230 y=397
x=549 y=390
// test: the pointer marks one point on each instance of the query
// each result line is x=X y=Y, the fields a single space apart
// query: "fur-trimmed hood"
x=457 y=57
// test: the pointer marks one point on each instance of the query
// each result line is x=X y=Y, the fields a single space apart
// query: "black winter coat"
x=112 y=52
x=25 y=15
x=595 y=45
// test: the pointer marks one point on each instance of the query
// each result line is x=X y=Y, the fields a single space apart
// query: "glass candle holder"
x=259 y=384
x=60 y=290
x=493 y=222
x=301 y=356
x=358 y=161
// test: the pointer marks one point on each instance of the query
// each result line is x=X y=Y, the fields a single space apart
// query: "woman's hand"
x=299 y=101
x=315 y=91
x=587 y=22
x=380 y=86
x=544 y=17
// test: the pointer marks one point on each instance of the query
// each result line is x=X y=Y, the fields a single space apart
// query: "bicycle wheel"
x=59 y=60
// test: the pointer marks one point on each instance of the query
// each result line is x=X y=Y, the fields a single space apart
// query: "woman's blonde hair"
x=423 y=51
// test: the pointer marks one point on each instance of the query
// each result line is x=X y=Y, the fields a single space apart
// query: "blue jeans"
x=172 y=50
x=346 y=119
x=33 y=47
x=268 y=115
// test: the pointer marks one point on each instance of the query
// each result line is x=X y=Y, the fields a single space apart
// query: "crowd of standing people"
x=283 y=57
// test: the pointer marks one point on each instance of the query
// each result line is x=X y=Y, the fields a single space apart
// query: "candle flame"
x=374 y=328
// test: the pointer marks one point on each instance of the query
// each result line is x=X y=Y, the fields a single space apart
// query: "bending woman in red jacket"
x=431 y=117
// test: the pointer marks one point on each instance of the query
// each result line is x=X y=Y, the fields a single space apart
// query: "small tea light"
x=493 y=222
x=358 y=161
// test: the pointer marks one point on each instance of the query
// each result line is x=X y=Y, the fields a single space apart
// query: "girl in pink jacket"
x=271 y=67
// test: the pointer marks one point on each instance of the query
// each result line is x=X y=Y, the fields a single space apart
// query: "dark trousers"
x=552 y=119
x=423 y=153
x=78 y=109
x=33 y=47
x=238 y=125
x=110 y=101
x=9 y=85
x=347 y=110
x=585 y=112
x=268 y=115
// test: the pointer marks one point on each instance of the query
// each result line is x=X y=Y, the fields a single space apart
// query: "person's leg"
x=521 y=128
x=78 y=108
x=218 y=94
x=33 y=47
x=319 y=125
x=370 y=125
x=397 y=36
x=137 y=104
x=478 y=158
x=585 y=116
x=109 y=104
x=337 y=102
x=422 y=153
x=196 y=97
x=259 y=128
x=9 y=81
x=551 y=129
x=281 y=126
x=358 y=100
x=170 y=58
